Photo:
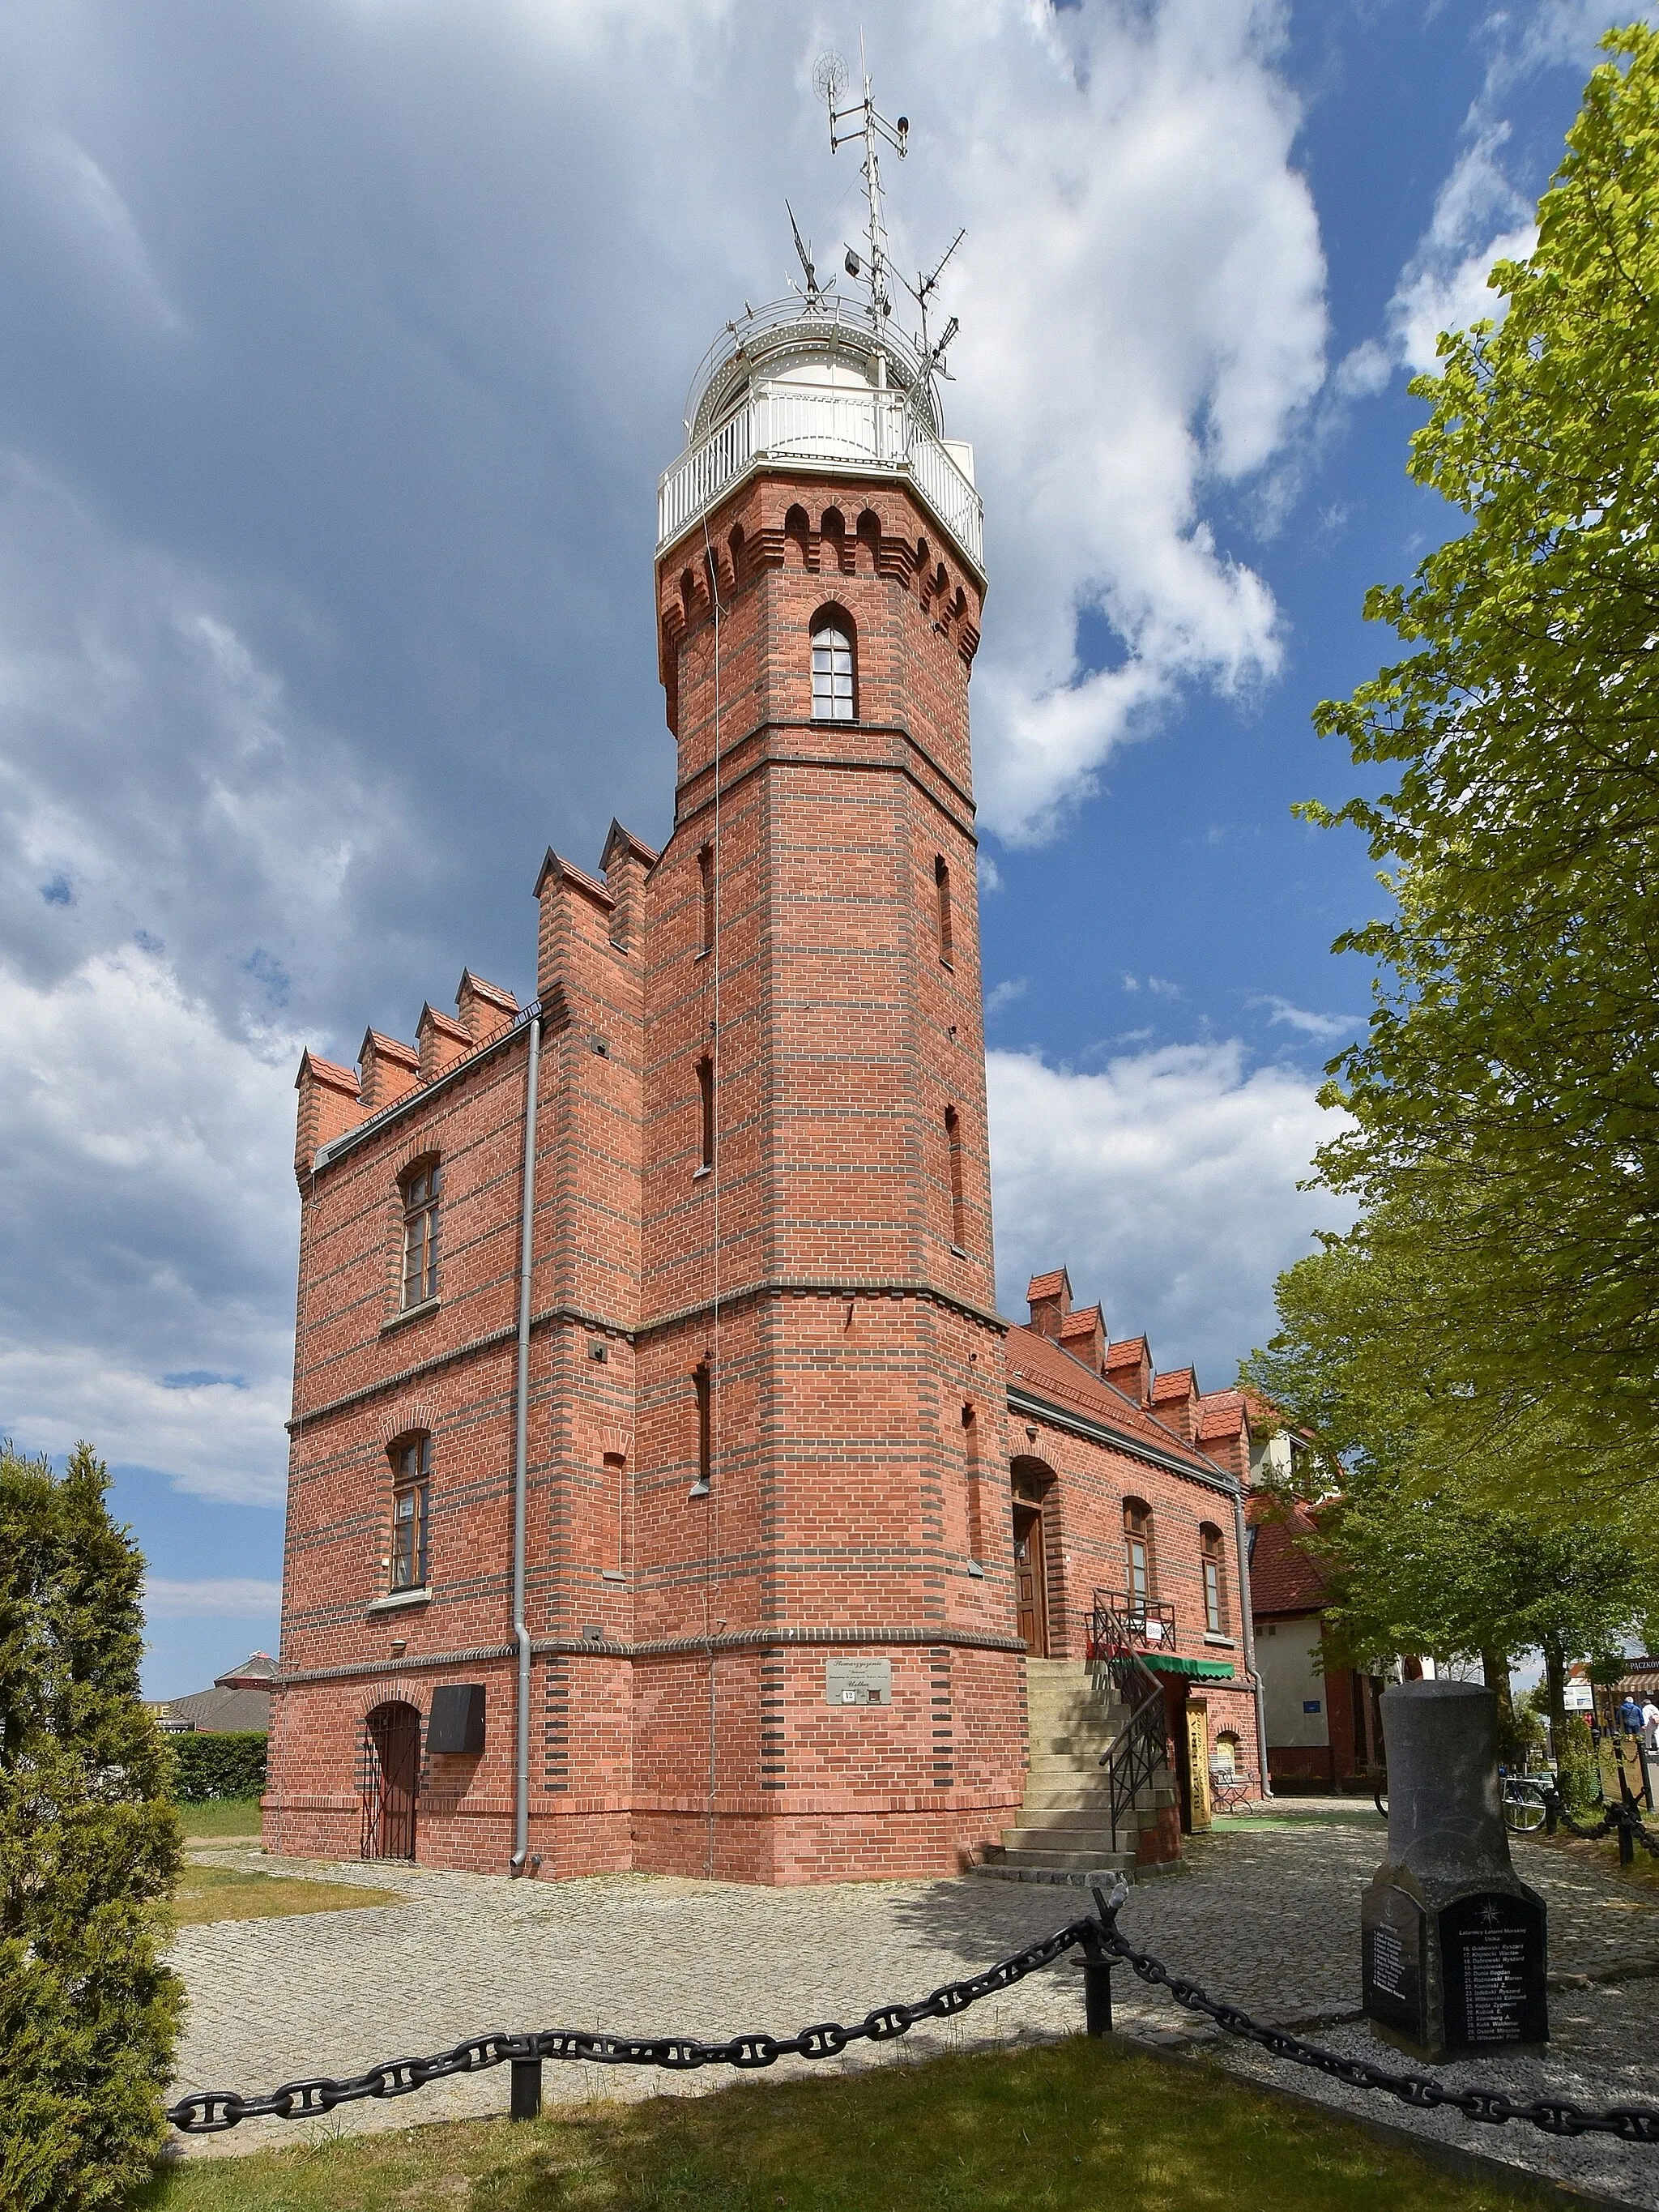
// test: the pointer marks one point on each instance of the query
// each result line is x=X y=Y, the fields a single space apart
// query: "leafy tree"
x=1425 y=1561
x=89 y=1850
x=1505 y=1102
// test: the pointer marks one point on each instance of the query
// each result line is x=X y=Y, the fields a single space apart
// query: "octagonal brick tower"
x=827 y=1679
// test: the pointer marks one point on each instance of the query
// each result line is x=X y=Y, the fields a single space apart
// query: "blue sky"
x=345 y=340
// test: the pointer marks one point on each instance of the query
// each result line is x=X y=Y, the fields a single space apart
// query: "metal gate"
x=389 y=1781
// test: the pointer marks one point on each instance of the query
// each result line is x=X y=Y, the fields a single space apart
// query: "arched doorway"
x=1032 y=1480
x=391 y=1770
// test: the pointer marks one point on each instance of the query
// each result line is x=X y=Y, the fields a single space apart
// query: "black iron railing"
x=1150 y=1622
x=1141 y=1746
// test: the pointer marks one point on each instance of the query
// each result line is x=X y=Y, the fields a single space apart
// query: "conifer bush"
x=89 y=1850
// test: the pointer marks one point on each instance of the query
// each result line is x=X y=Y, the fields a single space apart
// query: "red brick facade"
x=775 y=1422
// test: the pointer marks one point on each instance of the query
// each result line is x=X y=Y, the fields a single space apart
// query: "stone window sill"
x=398 y=1601
x=1226 y=1642
x=975 y=1570
x=960 y=1251
x=410 y=1313
x=612 y=1575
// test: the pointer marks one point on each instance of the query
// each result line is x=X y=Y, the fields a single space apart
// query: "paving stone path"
x=1266 y=1917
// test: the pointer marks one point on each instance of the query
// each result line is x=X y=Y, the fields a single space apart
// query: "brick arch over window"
x=834 y=665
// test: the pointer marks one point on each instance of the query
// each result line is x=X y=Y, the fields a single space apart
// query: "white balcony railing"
x=870 y=431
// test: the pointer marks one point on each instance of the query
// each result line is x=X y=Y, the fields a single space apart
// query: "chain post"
x=1552 y=1810
x=526 y=2102
x=1097 y=1996
x=1627 y=1840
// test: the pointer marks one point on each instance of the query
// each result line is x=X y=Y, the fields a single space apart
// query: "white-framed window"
x=832 y=674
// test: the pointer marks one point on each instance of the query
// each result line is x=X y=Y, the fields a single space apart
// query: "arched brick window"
x=1139 y=1555
x=835 y=695
x=421 y=1186
x=411 y=1501
x=1213 y=1556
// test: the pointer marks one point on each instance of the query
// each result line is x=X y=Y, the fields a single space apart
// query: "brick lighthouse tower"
x=649 y=1497
x=817 y=1251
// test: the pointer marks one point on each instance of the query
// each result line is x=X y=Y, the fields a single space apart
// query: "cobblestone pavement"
x=1266 y=1917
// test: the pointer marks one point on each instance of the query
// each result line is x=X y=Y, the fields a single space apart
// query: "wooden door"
x=1031 y=1577
x=390 y=1782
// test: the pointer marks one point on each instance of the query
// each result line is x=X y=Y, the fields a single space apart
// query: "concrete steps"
x=1064 y=1834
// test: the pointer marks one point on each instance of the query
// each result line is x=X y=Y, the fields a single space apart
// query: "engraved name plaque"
x=1392 y=1928
x=1492 y=1954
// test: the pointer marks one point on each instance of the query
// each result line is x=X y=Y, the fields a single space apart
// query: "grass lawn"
x=209 y=1893
x=1361 y=1813
x=1068 y=2127
x=223 y=1816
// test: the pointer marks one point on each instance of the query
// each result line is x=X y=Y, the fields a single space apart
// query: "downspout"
x=1242 y=1538
x=520 y=1462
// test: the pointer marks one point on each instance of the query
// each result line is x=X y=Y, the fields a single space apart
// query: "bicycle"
x=1523 y=1804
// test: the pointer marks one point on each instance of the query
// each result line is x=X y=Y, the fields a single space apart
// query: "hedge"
x=210 y=1766
x=89 y=1851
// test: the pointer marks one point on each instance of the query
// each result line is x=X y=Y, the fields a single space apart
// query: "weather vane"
x=864 y=120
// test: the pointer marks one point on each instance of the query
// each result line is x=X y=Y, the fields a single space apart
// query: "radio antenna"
x=864 y=120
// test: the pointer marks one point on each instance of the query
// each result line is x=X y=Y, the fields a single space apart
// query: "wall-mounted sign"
x=1310 y=1704
x=858 y=1681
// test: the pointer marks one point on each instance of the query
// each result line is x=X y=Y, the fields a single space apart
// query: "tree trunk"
x=1495 y=1670
x=1555 y=1677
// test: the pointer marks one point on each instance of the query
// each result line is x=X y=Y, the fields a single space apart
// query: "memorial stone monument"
x=1453 y=1940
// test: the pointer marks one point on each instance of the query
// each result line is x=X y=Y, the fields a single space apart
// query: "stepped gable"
x=1285 y=1577
x=1048 y=1371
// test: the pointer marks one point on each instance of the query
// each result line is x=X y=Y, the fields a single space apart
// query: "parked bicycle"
x=1523 y=1802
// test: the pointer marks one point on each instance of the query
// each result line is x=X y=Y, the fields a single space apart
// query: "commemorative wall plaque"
x=858 y=1681
x=1453 y=1942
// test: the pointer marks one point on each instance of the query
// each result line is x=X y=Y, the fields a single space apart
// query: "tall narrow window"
x=412 y=1488
x=1213 y=1556
x=700 y=1383
x=706 y=886
x=1138 y=1549
x=422 y=1187
x=953 y=1152
x=832 y=674
x=706 y=1101
x=942 y=895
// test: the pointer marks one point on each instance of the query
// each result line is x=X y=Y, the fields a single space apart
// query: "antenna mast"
x=865 y=121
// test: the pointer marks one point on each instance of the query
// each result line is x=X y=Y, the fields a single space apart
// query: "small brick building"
x=666 y=1491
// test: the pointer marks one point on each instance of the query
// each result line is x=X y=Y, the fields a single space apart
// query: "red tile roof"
x=1284 y=1578
x=1048 y=1371
x=1220 y=1413
x=1179 y=1382
x=1051 y=1285
x=327 y=1071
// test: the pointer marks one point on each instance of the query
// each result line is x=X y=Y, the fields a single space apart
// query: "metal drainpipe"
x=1242 y=1538
x=520 y=1462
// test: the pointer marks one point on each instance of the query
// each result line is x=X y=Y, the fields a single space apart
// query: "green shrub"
x=89 y=1850
x=1574 y=1767
x=210 y=1766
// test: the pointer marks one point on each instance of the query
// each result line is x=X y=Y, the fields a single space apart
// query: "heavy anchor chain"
x=210 y=2112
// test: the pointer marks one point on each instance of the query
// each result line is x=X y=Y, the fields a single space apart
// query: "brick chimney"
x=329 y=1106
x=627 y=862
x=390 y=1070
x=1049 y=1297
x=1082 y=1334
x=484 y=1009
x=1129 y=1368
x=443 y=1041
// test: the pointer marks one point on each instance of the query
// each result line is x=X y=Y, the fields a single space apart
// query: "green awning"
x=1165 y=1662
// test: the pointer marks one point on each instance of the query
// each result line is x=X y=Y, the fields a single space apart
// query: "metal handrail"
x=1142 y=1744
x=1150 y=1622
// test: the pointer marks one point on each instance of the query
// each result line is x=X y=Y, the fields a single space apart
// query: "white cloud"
x=227 y=1595
x=1281 y=1013
x=1004 y=995
x=1166 y=1183
x=146 y=1190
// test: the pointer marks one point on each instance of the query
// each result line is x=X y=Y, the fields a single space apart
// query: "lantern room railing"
x=871 y=432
